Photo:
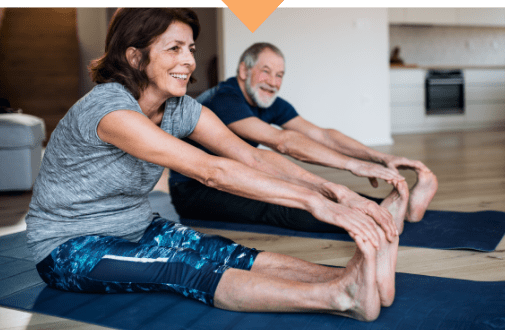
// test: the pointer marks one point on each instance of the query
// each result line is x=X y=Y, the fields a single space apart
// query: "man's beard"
x=254 y=93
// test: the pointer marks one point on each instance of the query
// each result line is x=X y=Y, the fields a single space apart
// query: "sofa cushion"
x=19 y=130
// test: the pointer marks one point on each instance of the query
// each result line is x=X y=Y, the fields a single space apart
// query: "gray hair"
x=250 y=55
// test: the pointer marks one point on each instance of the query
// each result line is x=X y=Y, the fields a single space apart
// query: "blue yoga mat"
x=422 y=302
x=481 y=231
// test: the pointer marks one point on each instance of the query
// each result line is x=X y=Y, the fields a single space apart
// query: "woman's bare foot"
x=421 y=195
x=397 y=203
x=361 y=299
x=386 y=269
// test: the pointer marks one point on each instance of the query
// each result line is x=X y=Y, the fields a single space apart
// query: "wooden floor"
x=471 y=170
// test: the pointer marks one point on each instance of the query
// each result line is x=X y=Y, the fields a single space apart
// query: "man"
x=248 y=105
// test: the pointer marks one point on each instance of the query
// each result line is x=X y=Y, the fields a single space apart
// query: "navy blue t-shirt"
x=229 y=104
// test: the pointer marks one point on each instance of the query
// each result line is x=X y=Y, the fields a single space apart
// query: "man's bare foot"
x=361 y=299
x=397 y=203
x=386 y=269
x=421 y=195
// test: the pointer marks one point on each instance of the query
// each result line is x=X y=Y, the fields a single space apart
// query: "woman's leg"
x=225 y=251
x=290 y=268
x=294 y=269
x=354 y=293
x=220 y=249
x=108 y=264
x=111 y=265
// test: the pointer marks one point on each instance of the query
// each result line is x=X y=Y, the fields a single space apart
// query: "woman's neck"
x=153 y=107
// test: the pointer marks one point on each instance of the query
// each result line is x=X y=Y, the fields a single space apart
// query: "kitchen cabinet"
x=423 y=16
x=397 y=15
x=407 y=100
x=448 y=16
x=481 y=16
x=441 y=16
x=485 y=97
x=484 y=102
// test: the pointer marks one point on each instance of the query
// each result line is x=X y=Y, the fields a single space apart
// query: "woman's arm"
x=211 y=129
x=137 y=135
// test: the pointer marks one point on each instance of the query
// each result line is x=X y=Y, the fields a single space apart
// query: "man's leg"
x=397 y=203
x=354 y=293
x=192 y=200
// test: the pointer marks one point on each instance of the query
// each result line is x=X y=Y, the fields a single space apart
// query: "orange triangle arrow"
x=252 y=13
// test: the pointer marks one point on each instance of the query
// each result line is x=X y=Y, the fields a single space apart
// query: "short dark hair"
x=251 y=54
x=136 y=27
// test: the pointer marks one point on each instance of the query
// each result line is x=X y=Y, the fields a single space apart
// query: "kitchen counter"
x=484 y=99
x=447 y=67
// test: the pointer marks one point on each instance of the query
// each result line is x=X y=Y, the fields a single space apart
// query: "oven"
x=445 y=92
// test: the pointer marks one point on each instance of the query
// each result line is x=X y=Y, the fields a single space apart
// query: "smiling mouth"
x=179 y=76
x=269 y=91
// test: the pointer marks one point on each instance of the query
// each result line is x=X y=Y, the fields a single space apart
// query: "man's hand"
x=373 y=172
x=401 y=163
x=348 y=198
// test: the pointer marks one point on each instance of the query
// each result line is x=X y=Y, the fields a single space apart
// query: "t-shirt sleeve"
x=229 y=106
x=101 y=102
x=190 y=114
x=283 y=112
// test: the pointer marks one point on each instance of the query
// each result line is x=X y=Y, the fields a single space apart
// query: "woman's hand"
x=355 y=222
x=348 y=198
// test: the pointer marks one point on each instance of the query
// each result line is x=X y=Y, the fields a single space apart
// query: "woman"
x=90 y=225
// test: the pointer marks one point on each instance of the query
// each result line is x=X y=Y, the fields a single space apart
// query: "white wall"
x=337 y=65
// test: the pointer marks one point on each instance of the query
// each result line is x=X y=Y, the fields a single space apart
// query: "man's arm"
x=307 y=148
x=346 y=145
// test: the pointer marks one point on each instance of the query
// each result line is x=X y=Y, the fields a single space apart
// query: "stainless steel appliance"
x=445 y=92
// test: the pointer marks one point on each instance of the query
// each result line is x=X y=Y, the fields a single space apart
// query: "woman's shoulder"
x=108 y=95
x=101 y=100
x=111 y=88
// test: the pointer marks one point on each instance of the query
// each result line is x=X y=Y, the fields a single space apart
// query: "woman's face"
x=172 y=61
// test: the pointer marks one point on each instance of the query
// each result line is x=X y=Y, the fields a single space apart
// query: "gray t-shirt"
x=89 y=187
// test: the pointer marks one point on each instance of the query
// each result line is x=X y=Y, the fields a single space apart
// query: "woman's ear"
x=133 y=57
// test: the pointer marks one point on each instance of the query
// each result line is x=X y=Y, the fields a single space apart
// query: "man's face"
x=265 y=78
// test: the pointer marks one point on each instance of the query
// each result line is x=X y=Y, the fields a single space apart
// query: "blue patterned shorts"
x=169 y=257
